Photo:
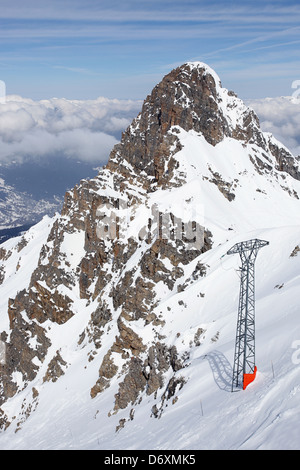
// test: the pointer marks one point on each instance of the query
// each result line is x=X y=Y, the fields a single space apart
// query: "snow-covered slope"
x=128 y=343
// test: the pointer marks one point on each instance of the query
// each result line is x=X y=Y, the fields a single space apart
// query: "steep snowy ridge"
x=121 y=335
x=19 y=258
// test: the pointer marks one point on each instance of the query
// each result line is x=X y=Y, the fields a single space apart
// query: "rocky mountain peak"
x=186 y=97
x=190 y=97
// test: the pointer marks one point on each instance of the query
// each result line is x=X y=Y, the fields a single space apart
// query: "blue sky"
x=82 y=49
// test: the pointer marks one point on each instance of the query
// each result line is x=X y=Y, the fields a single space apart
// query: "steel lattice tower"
x=244 y=369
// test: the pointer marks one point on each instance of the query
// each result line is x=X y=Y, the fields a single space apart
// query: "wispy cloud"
x=75 y=69
x=134 y=38
x=259 y=39
x=94 y=18
x=154 y=11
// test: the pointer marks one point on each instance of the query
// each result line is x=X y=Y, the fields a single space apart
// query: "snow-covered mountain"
x=118 y=316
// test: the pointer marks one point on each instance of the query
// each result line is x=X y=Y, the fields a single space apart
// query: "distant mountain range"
x=30 y=190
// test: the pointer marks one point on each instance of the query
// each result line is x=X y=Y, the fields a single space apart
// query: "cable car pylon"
x=244 y=368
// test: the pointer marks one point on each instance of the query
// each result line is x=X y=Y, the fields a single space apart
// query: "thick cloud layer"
x=83 y=130
x=281 y=117
x=87 y=130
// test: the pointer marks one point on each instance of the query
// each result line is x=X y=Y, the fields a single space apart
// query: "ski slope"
x=206 y=414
